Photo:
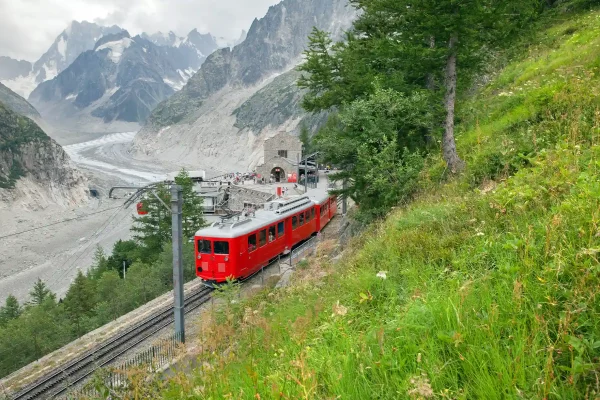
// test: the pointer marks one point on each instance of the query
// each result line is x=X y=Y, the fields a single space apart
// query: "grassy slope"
x=492 y=280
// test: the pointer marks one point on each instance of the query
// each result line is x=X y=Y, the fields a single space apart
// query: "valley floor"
x=55 y=253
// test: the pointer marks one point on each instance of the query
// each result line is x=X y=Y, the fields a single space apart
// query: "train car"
x=240 y=246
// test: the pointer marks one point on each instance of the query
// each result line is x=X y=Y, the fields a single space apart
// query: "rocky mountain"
x=11 y=68
x=18 y=104
x=114 y=86
x=23 y=77
x=242 y=96
x=34 y=170
x=192 y=50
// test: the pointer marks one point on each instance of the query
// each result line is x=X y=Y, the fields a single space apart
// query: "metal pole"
x=298 y=163
x=123 y=269
x=345 y=199
x=305 y=175
x=177 y=228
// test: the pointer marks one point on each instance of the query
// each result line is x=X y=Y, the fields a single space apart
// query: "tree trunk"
x=448 y=144
x=431 y=87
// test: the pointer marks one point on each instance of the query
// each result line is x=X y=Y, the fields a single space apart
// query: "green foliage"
x=372 y=140
x=153 y=230
x=483 y=287
x=15 y=131
x=40 y=292
x=11 y=310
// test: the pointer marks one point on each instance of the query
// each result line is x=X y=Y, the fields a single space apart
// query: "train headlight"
x=226 y=258
x=199 y=256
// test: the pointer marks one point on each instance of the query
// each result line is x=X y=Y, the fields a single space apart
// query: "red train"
x=241 y=246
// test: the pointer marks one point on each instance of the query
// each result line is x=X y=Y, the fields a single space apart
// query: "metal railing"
x=155 y=358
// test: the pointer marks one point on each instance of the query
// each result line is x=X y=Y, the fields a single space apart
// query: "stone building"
x=281 y=154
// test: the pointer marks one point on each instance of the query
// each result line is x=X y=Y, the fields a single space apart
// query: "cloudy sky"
x=28 y=27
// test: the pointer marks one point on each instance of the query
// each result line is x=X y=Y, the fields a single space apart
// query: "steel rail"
x=61 y=379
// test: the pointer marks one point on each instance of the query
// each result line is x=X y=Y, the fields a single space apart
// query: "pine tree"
x=154 y=229
x=11 y=310
x=40 y=292
x=80 y=300
x=306 y=140
x=192 y=208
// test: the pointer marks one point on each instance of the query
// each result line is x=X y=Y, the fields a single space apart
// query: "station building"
x=282 y=152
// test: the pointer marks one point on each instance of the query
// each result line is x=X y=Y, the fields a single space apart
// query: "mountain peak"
x=114 y=37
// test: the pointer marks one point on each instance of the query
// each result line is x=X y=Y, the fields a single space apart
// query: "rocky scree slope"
x=114 y=86
x=23 y=77
x=34 y=170
x=214 y=119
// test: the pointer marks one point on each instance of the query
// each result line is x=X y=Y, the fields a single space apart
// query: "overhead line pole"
x=176 y=210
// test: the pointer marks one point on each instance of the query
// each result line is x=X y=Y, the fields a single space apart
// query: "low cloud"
x=28 y=27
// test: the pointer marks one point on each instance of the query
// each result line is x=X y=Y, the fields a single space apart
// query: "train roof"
x=273 y=212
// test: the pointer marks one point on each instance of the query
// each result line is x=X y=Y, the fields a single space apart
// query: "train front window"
x=280 y=229
x=204 y=246
x=221 y=247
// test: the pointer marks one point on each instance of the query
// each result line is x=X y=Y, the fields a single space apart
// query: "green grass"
x=492 y=279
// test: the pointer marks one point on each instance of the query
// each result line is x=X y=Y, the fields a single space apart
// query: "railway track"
x=58 y=381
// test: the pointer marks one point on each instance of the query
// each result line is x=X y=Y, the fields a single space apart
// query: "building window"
x=282 y=153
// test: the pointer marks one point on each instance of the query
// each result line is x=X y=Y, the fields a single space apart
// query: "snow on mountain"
x=77 y=38
x=120 y=80
x=116 y=48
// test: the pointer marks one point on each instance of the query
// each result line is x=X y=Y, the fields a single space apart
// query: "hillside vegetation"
x=484 y=286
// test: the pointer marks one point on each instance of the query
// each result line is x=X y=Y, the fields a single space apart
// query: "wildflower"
x=421 y=387
x=382 y=274
x=339 y=309
x=480 y=234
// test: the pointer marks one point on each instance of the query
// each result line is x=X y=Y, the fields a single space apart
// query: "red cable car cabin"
x=241 y=246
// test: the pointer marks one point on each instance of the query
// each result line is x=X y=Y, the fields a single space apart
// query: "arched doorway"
x=278 y=174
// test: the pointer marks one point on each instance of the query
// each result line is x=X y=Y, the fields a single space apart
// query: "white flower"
x=480 y=234
x=382 y=274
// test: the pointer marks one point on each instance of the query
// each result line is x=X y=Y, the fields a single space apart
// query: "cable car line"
x=57 y=223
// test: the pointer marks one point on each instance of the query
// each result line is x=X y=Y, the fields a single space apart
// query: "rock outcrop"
x=34 y=170
x=242 y=96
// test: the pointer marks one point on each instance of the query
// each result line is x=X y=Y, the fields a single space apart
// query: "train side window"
x=204 y=246
x=307 y=215
x=221 y=247
x=262 y=237
x=294 y=222
x=312 y=211
x=251 y=243
x=280 y=229
x=301 y=219
x=272 y=233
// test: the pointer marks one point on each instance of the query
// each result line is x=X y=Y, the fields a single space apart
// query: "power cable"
x=100 y=230
x=57 y=223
